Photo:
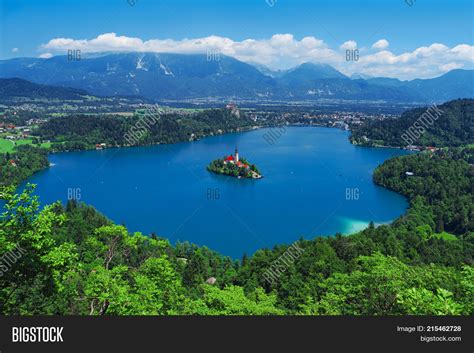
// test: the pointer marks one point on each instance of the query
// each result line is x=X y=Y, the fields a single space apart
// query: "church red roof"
x=230 y=158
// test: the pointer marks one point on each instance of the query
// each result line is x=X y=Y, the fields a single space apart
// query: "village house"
x=99 y=146
x=431 y=149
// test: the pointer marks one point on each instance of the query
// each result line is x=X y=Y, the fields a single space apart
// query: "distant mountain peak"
x=316 y=71
x=360 y=76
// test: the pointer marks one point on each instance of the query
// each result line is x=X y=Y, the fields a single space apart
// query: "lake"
x=315 y=183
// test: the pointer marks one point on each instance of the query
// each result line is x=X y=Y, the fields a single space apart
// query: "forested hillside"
x=444 y=180
x=85 y=131
x=75 y=261
x=21 y=164
x=450 y=124
x=79 y=132
x=16 y=89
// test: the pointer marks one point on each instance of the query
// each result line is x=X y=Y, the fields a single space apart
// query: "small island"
x=234 y=166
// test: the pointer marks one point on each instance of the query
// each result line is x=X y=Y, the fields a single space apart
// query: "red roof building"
x=230 y=158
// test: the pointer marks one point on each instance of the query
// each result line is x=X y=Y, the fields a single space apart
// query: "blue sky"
x=28 y=24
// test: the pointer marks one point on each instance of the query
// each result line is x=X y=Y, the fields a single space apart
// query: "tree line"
x=22 y=163
x=84 y=131
x=450 y=124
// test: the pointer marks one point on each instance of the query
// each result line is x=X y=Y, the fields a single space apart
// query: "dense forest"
x=436 y=175
x=450 y=124
x=72 y=260
x=79 y=132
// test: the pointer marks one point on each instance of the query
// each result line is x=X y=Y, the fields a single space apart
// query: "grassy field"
x=23 y=142
x=120 y=113
x=8 y=145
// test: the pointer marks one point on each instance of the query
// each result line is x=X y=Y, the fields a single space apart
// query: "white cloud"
x=280 y=51
x=450 y=66
x=464 y=52
x=46 y=55
x=350 y=44
x=283 y=51
x=15 y=50
x=423 y=62
x=380 y=44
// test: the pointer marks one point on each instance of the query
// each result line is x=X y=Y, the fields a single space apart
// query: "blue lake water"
x=315 y=183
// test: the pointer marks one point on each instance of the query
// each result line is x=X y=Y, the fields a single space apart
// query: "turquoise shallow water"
x=315 y=183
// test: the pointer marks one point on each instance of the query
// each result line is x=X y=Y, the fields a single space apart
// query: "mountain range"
x=180 y=77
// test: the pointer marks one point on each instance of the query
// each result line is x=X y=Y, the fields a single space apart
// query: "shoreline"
x=345 y=230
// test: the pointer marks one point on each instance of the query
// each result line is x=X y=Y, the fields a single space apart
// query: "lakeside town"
x=19 y=122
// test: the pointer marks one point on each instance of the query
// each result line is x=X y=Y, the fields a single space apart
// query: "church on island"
x=235 y=166
x=235 y=160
